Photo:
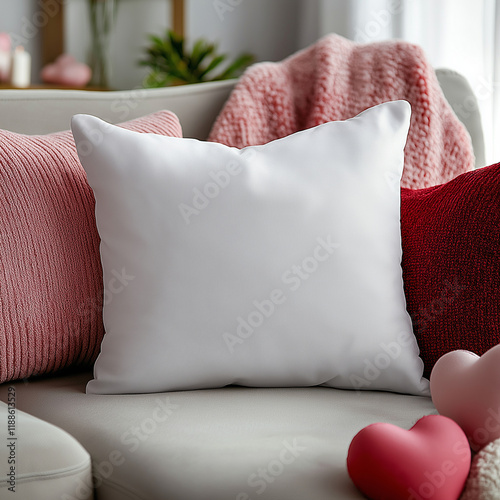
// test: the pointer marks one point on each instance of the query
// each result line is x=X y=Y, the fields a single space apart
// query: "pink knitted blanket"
x=336 y=79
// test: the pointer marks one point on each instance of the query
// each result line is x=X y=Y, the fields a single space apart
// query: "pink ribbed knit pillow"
x=51 y=289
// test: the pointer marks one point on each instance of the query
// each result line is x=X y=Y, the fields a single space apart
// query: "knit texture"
x=51 y=288
x=336 y=79
x=451 y=263
x=483 y=482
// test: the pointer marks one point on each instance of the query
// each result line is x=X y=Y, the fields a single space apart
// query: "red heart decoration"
x=430 y=461
x=466 y=388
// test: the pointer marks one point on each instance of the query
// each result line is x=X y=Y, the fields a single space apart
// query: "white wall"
x=266 y=28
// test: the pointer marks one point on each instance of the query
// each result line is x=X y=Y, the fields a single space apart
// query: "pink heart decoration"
x=429 y=461
x=66 y=70
x=466 y=388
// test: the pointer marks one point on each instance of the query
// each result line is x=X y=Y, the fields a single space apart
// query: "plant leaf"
x=170 y=62
x=235 y=67
x=213 y=64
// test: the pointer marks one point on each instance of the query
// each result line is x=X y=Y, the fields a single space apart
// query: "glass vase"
x=102 y=19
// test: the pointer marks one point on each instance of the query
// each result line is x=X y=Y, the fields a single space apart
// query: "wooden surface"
x=7 y=86
x=178 y=16
x=53 y=31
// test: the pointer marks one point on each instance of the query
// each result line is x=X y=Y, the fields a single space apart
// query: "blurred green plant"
x=171 y=63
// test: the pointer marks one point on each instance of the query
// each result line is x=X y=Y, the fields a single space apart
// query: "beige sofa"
x=233 y=443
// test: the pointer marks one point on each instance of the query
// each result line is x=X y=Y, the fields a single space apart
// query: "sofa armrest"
x=39 y=460
x=463 y=101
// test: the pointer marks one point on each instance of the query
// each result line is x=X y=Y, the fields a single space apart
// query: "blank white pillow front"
x=274 y=265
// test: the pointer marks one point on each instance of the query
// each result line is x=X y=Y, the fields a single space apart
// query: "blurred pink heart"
x=67 y=71
x=430 y=461
x=466 y=388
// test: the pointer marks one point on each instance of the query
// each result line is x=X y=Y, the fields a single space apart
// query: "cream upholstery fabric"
x=39 y=460
x=224 y=444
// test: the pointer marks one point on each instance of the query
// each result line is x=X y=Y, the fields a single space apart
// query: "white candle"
x=21 y=68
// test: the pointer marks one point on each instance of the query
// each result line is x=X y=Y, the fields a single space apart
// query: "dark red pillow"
x=451 y=263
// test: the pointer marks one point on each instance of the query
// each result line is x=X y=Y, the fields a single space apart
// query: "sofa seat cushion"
x=233 y=443
x=39 y=460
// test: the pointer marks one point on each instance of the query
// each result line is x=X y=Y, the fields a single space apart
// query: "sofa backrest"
x=41 y=111
x=44 y=111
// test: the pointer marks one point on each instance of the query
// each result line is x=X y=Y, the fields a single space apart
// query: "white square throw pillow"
x=274 y=265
